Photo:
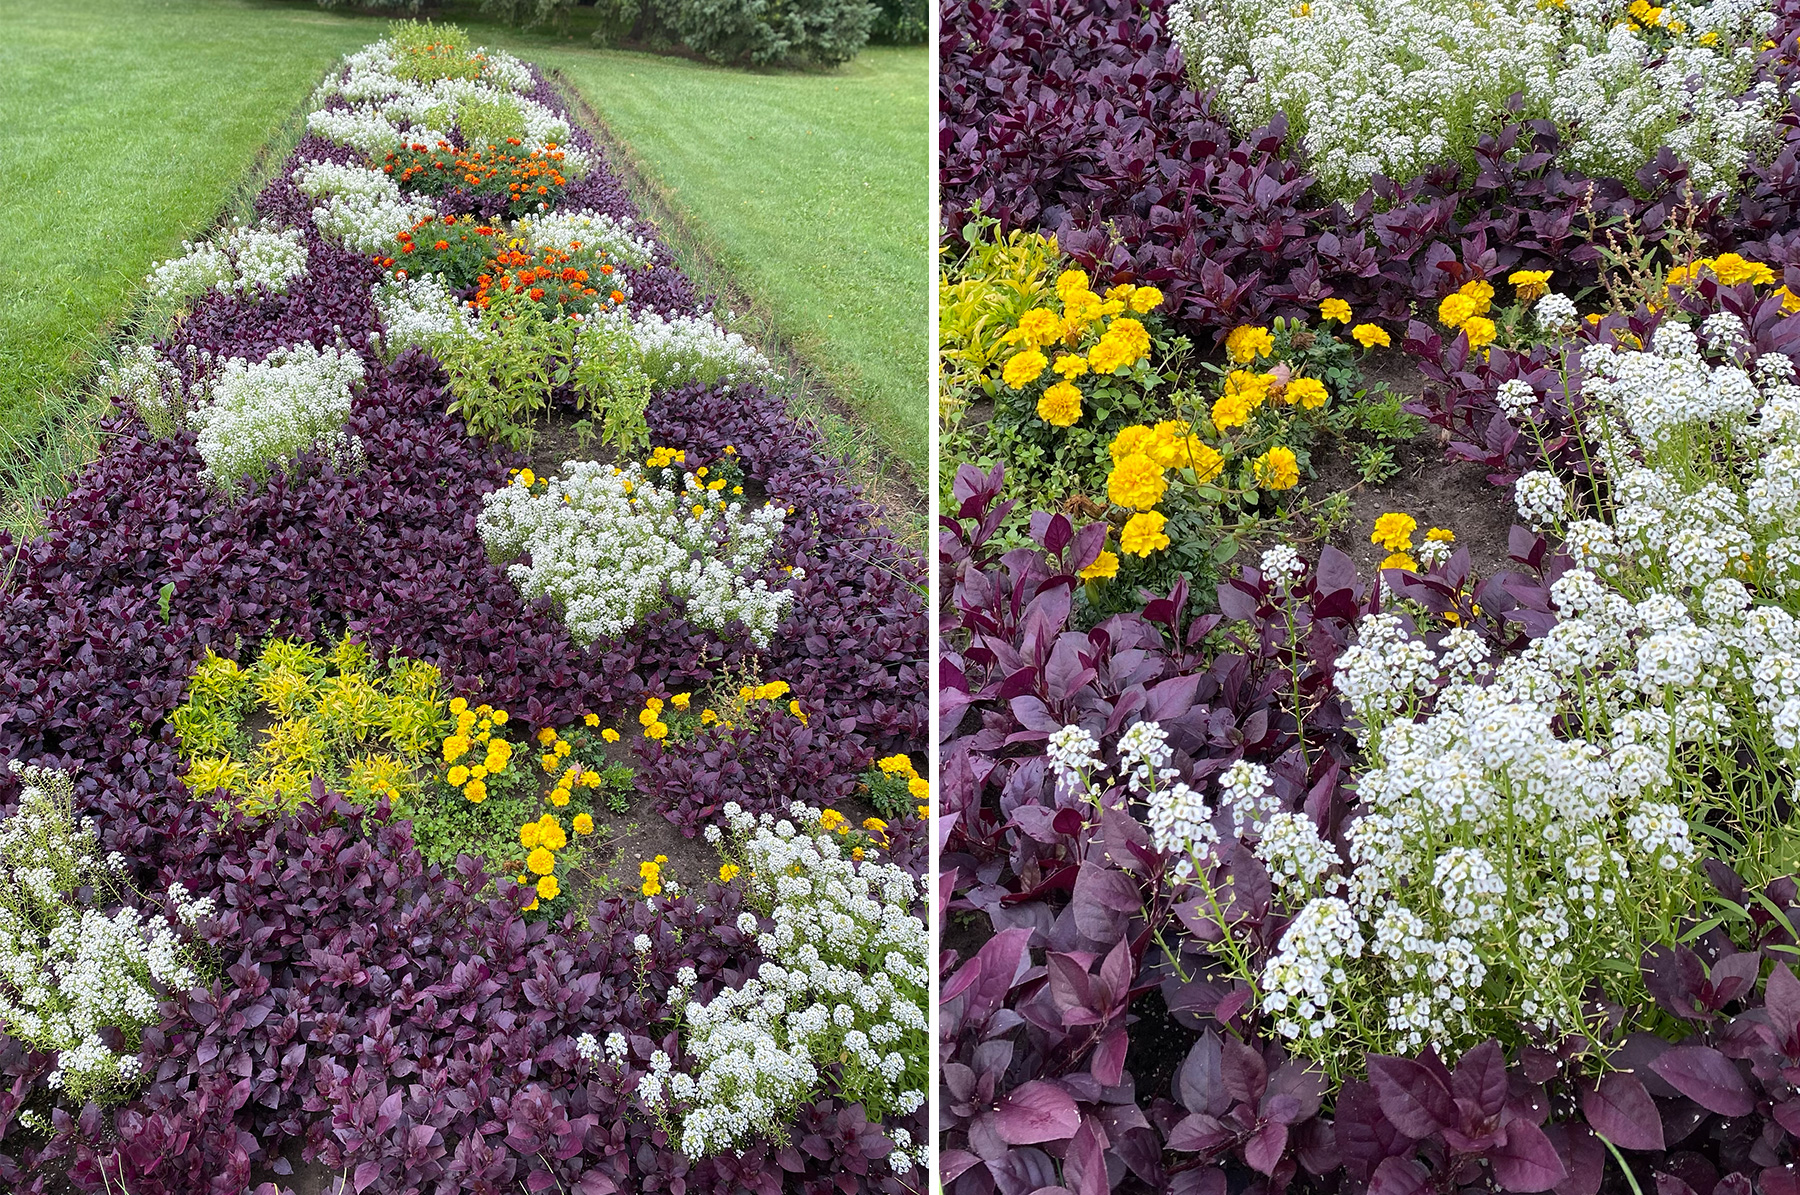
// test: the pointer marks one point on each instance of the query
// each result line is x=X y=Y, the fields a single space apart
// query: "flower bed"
x=1427 y=875
x=416 y=1025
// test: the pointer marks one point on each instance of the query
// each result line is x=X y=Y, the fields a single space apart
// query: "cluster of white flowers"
x=387 y=111
x=607 y=542
x=69 y=970
x=844 y=979
x=1372 y=87
x=151 y=385
x=685 y=348
x=420 y=310
x=588 y=230
x=1532 y=821
x=257 y=413
x=362 y=209
x=245 y=259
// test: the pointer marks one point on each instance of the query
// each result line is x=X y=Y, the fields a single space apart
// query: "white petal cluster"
x=1392 y=86
x=1518 y=820
x=259 y=413
x=420 y=310
x=387 y=111
x=362 y=209
x=583 y=229
x=683 y=348
x=843 y=980
x=246 y=258
x=68 y=969
x=608 y=544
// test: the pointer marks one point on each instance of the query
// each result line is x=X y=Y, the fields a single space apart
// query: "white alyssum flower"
x=259 y=413
x=245 y=259
x=1391 y=88
x=360 y=208
x=606 y=542
x=68 y=969
x=591 y=231
x=844 y=979
x=681 y=349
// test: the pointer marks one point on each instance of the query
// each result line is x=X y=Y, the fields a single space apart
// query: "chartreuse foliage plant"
x=332 y=711
x=842 y=986
x=81 y=974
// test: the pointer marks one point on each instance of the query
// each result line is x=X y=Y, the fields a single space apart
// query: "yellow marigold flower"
x=550 y=762
x=1394 y=531
x=1400 y=560
x=680 y=700
x=541 y=861
x=1040 y=326
x=610 y=735
x=646 y=716
x=1071 y=282
x=1481 y=291
x=1105 y=565
x=1080 y=308
x=1206 y=461
x=1370 y=335
x=1441 y=535
x=584 y=824
x=458 y=776
x=1024 y=368
x=1070 y=366
x=1456 y=309
x=708 y=717
x=657 y=730
x=475 y=791
x=546 y=736
x=920 y=789
x=550 y=833
x=1143 y=534
x=1529 y=285
x=1733 y=269
x=794 y=709
x=653 y=887
x=831 y=819
x=728 y=872
x=562 y=748
x=590 y=779
x=1245 y=344
x=528 y=835
x=1231 y=410
x=1060 y=405
x=1136 y=440
x=1112 y=307
x=1309 y=393
x=1145 y=298
x=1480 y=330
x=856 y=853
x=559 y=797
x=1109 y=355
x=1254 y=387
x=1335 y=309
x=458 y=705
x=1132 y=335
x=548 y=888
x=896 y=763
x=1168 y=444
x=774 y=689
x=455 y=747
x=1790 y=302
x=591 y=719
x=1137 y=482
x=527 y=476
x=534 y=904
x=1277 y=469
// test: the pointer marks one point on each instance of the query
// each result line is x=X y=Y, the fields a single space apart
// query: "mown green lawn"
x=812 y=189
x=124 y=127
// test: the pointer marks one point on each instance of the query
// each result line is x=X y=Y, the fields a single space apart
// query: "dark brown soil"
x=1159 y=1045
x=555 y=441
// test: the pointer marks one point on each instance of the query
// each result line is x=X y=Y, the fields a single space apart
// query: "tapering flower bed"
x=1268 y=871
x=285 y=540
